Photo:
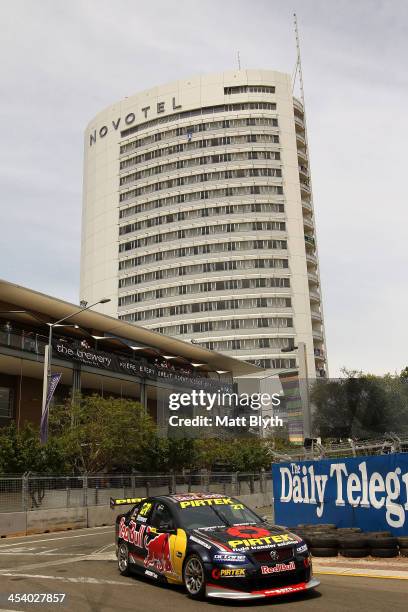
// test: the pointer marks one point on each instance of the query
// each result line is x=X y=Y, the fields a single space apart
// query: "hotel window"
x=6 y=402
x=238 y=89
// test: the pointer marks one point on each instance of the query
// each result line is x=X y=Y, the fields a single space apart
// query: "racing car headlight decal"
x=230 y=558
x=301 y=549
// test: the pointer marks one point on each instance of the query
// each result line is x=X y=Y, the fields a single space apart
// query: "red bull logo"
x=158 y=553
x=130 y=533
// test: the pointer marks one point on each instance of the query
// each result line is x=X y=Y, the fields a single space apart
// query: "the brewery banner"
x=367 y=492
x=132 y=367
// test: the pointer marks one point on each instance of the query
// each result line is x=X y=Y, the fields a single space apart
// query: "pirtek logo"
x=228 y=573
x=278 y=539
x=130 y=118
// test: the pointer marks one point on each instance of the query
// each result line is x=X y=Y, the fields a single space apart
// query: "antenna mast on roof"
x=239 y=60
x=298 y=67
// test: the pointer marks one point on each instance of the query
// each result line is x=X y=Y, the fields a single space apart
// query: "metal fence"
x=35 y=492
x=390 y=443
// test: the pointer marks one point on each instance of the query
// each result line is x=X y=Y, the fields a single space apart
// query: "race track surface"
x=82 y=565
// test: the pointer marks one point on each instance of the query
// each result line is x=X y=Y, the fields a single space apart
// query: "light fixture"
x=197 y=365
x=222 y=371
x=169 y=356
x=137 y=348
x=75 y=326
x=104 y=337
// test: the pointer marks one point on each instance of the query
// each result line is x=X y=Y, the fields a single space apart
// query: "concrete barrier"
x=104 y=515
x=13 y=523
x=59 y=519
x=255 y=500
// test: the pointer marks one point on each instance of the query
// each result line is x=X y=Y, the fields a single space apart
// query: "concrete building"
x=198 y=217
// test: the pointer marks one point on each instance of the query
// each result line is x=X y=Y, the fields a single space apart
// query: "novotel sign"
x=129 y=119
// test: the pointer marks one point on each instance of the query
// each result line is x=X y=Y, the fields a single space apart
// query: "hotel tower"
x=198 y=217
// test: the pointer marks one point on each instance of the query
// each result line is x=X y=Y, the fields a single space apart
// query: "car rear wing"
x=128 y=501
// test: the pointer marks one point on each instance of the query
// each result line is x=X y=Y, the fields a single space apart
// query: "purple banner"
x=52 y=385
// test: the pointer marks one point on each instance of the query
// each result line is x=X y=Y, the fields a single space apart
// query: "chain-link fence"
x=35 y=492
x=390 y=443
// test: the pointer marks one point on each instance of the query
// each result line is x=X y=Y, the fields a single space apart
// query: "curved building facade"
x=198 y=217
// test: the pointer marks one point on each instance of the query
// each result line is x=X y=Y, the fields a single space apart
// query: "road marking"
x=103 y=548
x=35 y=554
x=106 y=556
x=82 y=535
x=3 y=610
x=82 y=580
x=46 y=564
x=365 y=575
x=72 y=558
x=48 y=551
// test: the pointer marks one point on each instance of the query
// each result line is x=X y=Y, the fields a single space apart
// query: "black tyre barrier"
x=324 y=552
x=330 y=526
x=324 y=542
x=348 y=530
x=403 y=542
x=403 y=552
x=318 y=526
x=378 y=534
x=354 y=553
x=352 y=543
x=384 y=553
x=382 y=542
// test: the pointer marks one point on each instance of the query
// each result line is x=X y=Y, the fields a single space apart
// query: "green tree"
x=102 y=433
x=211 y=451
x=249 y=455
x=359 y=405
x=404 y=374
x=21 y=451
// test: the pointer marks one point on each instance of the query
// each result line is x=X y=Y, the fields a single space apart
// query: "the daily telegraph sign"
x=366 y=492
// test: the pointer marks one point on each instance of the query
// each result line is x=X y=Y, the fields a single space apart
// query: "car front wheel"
x=123 y=559
x=194 y=577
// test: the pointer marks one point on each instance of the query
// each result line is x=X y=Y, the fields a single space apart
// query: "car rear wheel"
x=123 y=559
x=194 y=577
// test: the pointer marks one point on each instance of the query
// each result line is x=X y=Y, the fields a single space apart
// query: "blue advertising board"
x=366 y=492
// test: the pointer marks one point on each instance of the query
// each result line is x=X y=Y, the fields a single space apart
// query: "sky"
x=62 y=62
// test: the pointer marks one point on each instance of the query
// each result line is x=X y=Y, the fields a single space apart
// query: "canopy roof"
x=38 y=309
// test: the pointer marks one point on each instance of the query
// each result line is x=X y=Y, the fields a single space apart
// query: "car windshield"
x=217 y=516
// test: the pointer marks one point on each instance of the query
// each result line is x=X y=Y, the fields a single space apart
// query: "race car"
x=213 y=544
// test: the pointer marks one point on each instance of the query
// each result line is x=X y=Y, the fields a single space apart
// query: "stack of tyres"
x=353 y=546
x=323 y=545
x=321 y=539
x=403 y=546
x=328 y=541
x=382 y=546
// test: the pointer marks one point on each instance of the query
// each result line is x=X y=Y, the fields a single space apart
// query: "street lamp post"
x=48 y=349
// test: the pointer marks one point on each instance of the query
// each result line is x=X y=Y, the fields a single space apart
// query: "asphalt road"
x=81 y=564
